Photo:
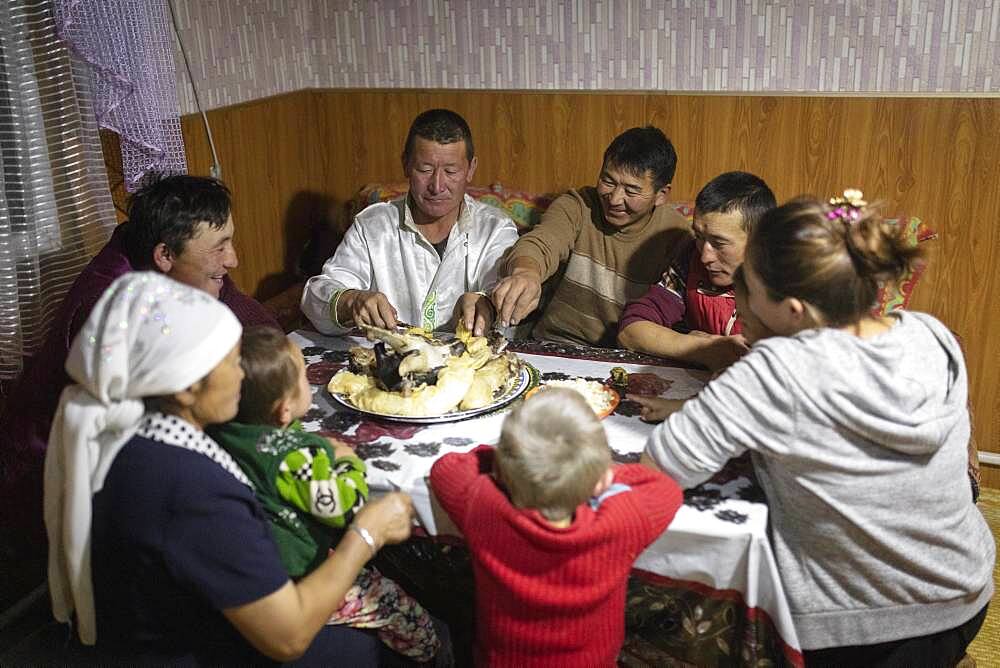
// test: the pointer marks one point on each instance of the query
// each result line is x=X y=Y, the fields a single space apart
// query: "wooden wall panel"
x=936 y=158
x=531 y=141
x=270 y=156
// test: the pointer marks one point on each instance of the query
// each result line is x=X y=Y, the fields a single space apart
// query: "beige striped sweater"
x=594 y=267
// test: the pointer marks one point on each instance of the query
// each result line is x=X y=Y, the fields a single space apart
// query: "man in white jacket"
x=426 y=259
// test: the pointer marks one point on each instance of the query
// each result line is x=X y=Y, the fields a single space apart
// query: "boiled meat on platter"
x=410 y=373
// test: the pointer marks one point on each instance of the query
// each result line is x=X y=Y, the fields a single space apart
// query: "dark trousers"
x=938 y=650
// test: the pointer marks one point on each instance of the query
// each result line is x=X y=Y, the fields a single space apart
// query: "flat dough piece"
x=349 y=383
x=426 y=401
x=488 y=379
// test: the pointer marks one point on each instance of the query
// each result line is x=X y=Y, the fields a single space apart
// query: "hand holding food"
x=656 y=409
x=475 y=311
x=388 y=520
x=366 y=307
x=517 y=295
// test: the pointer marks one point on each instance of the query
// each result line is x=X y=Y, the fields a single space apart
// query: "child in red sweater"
x=553 y=529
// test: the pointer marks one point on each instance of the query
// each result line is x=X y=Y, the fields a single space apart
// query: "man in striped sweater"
x=604 y=245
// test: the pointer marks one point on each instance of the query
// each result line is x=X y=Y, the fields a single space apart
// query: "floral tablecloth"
x=707 y=592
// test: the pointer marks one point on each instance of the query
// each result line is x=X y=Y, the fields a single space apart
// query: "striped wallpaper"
x=248 y=49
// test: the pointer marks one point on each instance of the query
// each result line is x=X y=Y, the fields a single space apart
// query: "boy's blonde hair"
x=552 y=452
x=270 y=373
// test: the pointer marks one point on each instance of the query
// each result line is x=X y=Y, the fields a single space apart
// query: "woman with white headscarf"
x=156 y=542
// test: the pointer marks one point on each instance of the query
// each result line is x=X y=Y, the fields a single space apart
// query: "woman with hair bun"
x=857 y=425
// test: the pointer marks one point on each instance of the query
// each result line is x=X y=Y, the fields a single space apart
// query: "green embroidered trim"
x=534 y=377
x=429 y=311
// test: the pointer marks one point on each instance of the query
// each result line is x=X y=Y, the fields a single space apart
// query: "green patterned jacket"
x=306 y=491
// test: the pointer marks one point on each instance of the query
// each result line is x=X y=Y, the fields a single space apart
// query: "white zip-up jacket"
x=384 y=251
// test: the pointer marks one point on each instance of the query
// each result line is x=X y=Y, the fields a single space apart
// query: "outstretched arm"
x=750 y=406
x=365 y=307
x=535 y=257
x=517 y=294
x=341 y=297
x=283 y=624
x=709 y=350
x=656 y=409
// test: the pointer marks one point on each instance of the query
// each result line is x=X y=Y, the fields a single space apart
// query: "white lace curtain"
x=55 y=205
x=65 y=67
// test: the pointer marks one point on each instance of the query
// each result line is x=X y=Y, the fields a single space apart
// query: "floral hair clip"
x=848 y=207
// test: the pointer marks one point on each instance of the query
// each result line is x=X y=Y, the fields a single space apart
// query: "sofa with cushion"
x=526 y=210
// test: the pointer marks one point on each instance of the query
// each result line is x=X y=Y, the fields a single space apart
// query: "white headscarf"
x=147 y=336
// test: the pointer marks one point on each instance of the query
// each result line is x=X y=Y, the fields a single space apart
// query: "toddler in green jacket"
x=310 y=487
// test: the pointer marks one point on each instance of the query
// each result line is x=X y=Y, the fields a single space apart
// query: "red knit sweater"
x=547 y=596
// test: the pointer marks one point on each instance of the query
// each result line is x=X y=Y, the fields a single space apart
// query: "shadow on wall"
x=312 y=231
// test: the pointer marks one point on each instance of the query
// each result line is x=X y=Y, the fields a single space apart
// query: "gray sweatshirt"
x=860 y=446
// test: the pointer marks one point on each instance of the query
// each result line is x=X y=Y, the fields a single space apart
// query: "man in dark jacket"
x=179 y=225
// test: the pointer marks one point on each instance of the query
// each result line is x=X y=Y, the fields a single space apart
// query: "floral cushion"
x=897 y=295
x=526 y=210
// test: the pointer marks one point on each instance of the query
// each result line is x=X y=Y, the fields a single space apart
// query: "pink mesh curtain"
x=127 y=45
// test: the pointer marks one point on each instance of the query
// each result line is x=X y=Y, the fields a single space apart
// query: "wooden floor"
x=985 y=649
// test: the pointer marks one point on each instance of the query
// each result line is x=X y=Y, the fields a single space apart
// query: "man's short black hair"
x=736 y=191
x=643 y=150
x=168 y=210
x=442 y=126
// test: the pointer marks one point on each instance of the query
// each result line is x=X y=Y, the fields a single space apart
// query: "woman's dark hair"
x=270 y=373
x=736 y=191
x=168 y=210
x=804 y=249
x=160 y=404
x=643 y=150
x=442 y=126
